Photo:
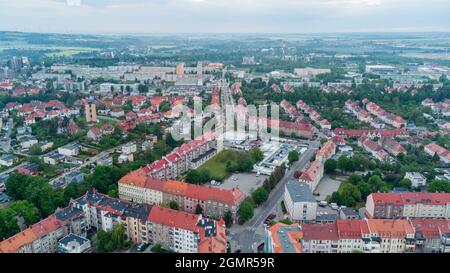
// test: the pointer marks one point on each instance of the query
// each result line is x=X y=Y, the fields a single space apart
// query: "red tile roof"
x=174 y=218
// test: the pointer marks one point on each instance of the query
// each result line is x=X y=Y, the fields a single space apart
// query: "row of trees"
x=260 y=195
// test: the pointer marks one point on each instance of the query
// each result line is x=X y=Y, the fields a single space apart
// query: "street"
x=252 y=232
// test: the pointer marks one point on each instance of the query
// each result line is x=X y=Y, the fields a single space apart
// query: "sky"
x=224 y=16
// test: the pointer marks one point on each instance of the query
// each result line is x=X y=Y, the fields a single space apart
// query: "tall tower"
x=90 y=112
x=94 y=112
x=87 y=112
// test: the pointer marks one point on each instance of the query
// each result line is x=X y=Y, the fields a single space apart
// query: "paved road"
x=246 y=235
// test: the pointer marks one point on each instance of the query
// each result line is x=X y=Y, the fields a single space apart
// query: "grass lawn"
x=217 y=165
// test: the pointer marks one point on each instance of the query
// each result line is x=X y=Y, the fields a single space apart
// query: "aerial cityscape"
x=229 y=141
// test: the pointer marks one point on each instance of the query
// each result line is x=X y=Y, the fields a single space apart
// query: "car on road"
x=323 y=203
x=141 y=247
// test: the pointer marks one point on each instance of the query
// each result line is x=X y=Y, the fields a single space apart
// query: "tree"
x=174 y=205
x=142 y=88
x=260 y=195
x=436 y=157
x=256 y=154
x=405 y=182
x=27 y=210
x=245 y=211
x=355 y=179
x=164 y=106
x=350 y=194
x=376 y=183
x=343 y=163
x=198 y=209
x=8 y=223
x=108 y=241
x=118 y=236
x=171 y=142
x=438 y=186
x=293 y=156
x=364 y=189
x=330 y=166
x=228 y=218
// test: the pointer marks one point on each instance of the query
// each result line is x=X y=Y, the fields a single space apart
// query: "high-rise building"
x=179 y=70
x=90 y=111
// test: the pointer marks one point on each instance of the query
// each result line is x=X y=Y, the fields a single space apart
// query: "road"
x=246 y=235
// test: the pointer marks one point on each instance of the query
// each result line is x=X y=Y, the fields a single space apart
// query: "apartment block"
x=408 y=204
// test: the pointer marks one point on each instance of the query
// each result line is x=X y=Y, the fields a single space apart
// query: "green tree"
x=245 y=211
x=174 y=205
x=405 y=182
x=438 y=186
x=350 y=194
x=198 y=209
x=293 y=156
x=8 y=223
x=330 y=166
x=118 y=236
x=228 y=218
x=27 y=210
x=343 y=163
x=260 y=195
x=256 y=154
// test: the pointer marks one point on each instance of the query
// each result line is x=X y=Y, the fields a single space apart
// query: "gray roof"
x=73 y=237
x=299 y=191
x=349 y=212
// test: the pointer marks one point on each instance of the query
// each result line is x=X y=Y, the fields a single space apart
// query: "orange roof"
x=175 y=187
x=14 y=243
x=293 y=237
x=46 y=226
x=214 y=244
x=136 y=178
x=139 y=178
x=27 y=236
x=390 y=228
x=174 y=218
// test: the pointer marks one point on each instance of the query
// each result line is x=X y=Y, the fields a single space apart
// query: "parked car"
x=323 y=203
x=142 y=247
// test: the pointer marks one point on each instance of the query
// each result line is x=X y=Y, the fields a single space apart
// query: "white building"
x=73 y=243
x=72 y=149
x=299 y=201
x=417 y=179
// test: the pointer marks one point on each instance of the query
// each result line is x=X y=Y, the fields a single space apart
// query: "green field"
x=217 y=166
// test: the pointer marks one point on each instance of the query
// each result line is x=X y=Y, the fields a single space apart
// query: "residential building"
x=7 y=160
x=73 y=243
x=186 y=233
x=325 y=152
x=431 y=235
x=300 y=202
x=417 y=179
x=373 y=148
x=432 y=149
x=282 y=238
x=71 y=149
x=408 y=204
x=312 y=174
x=214 y=202
x=392 y=146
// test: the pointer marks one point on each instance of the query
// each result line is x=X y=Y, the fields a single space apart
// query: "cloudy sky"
x=224 y=16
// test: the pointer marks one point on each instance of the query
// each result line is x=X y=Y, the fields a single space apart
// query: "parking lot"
x=246 y=182
x=327 y=186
